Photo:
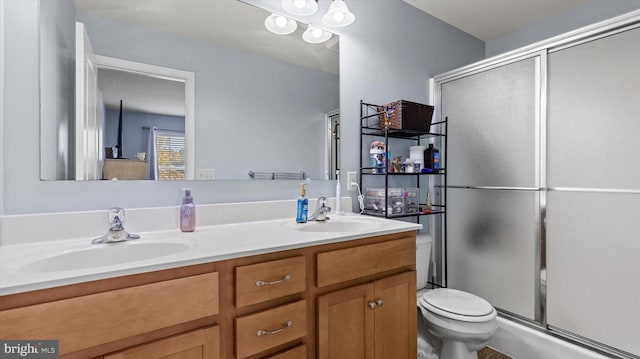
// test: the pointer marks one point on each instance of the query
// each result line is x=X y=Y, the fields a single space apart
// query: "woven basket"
x=405 y=115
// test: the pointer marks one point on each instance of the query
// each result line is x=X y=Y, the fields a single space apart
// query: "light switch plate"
x=205 y=174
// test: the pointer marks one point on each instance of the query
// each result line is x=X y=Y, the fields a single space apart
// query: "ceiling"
x=143 y=93
x=488 y=19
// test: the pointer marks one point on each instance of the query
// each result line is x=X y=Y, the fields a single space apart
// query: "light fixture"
x=300 y=7
x=338 y=15
x=280 y=25
x=314 y=35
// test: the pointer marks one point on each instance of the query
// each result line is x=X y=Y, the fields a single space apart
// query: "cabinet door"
x=375 y=320
x=395 y=317
x=345 y=324
x=199 y=344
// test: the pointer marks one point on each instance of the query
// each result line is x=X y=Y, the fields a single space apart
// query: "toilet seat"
x=457 y=305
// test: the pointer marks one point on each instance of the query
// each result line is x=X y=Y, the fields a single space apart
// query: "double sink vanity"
x=258 y=289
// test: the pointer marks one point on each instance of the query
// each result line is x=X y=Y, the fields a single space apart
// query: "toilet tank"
x=424 y=243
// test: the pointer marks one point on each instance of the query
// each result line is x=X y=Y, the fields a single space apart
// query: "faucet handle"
x=322 y=202
x=116 y=217
x=116 y=232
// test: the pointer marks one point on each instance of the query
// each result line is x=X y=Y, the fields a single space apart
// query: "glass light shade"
x=314 y=35
x=300 y=7
x=338 y=15
x=280 y=25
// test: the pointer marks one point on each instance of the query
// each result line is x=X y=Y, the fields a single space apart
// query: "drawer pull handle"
x=373 y=305
x=379 y=302
x=260 y=283
x=284 y=326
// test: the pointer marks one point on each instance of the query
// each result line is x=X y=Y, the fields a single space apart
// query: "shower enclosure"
x=543 y=195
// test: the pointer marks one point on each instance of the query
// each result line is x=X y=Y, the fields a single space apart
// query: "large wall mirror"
x=174 y=89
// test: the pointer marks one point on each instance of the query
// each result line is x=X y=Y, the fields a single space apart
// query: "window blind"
x=170 y=155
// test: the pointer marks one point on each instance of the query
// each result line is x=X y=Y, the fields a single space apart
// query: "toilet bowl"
x=463 y=321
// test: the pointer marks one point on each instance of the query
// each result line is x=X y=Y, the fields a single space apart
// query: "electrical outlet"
x=205 y=174
x=352 y=177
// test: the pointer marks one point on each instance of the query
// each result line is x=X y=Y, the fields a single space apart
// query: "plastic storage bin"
x=374 y=201
x=411 y=200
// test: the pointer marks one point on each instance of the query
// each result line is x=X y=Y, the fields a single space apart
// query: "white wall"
x=2 y=131
x=389 y=53
x=584 y=15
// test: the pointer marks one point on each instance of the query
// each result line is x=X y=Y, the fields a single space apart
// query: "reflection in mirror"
x=142 y=138
x=333 y=141
x=262 y=102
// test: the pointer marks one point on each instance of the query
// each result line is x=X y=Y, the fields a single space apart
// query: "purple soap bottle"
x=187 y=212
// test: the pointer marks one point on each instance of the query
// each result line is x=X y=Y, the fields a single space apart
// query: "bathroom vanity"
x=312 y=293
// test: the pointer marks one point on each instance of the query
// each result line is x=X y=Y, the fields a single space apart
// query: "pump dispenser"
x=303 y=205
x=187 y=212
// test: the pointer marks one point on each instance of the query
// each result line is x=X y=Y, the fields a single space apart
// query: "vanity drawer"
x=201 y=343
x=269 y=280
x=83 y=322
x=299 y=352
x=352 y=263
x=261 y=331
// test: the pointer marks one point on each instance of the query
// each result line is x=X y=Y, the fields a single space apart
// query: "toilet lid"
x=456 y=304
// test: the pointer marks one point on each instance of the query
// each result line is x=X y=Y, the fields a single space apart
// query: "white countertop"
x=206 y=244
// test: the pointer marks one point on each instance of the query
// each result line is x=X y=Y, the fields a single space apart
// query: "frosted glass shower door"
x=492 y=127
x=593 y=266
x=493 y=183
x=491 y=246
x=593 y=207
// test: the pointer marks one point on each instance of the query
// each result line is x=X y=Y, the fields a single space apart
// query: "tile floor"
x=488 y=353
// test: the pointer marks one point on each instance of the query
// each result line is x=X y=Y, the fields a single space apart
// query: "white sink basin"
x=340 y=224
x=98 y=255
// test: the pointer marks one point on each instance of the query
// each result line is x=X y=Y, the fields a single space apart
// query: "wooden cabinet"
x=345 y=323
x=86 y=321
x=198 y=344
x=376 y=320
x=301 y=303
x=299 y=352
x=260 y=283
x=264 y=281
x=258 y=332
x=124 y=169
x=373 y=320
x=351 y=263
x=396 y=317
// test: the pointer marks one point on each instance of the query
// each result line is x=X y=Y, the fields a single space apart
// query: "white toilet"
x=464 y=322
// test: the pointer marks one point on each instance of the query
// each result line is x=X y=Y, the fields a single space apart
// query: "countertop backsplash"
x=27 y=228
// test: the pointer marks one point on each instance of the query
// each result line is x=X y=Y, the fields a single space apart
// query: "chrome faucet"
x=321 y=210
x=116 y=232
